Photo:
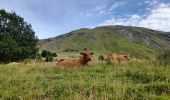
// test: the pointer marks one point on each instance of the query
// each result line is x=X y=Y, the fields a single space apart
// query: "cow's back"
x=117 y=57
x=69 y=63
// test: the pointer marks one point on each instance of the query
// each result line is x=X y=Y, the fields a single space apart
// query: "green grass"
x=37 y=81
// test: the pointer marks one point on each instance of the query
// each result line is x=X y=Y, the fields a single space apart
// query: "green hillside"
x=136 y=41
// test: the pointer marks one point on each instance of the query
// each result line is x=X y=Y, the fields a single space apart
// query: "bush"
x=46 y=53
x=101 y=58
x=49 y=59
x=54 y=54
x=163 y=57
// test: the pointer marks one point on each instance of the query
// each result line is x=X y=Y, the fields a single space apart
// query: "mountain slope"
x=136 y=41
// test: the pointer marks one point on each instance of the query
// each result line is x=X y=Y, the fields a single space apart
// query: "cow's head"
x=87 y=56
x=127 y=57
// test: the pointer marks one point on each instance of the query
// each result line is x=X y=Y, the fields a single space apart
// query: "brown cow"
x=118 y=57
x=83 y=61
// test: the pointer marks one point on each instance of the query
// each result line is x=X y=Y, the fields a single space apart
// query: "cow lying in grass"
x=83 y=61
x=117 y=57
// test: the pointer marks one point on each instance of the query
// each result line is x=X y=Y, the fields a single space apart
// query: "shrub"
x=101 y=58
x=46 y=53
x=49 y=59
x=54 y=54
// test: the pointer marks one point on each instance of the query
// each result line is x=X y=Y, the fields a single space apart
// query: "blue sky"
x=50 y=18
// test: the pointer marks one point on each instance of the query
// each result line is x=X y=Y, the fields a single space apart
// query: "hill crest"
x=119 y=39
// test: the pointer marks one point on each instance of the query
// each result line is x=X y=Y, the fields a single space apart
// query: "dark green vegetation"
x=17 y=39
x=48 y=55
x=136 y=41
x=101 y=58
x=132 y=81
x=163 y=57
x=48 y=58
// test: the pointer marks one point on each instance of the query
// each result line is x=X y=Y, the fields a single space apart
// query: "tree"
x=17 y=39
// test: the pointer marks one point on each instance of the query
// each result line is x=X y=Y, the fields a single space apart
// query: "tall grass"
x=37 y=81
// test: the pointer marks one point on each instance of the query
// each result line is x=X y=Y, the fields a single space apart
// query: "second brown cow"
x=117 y=57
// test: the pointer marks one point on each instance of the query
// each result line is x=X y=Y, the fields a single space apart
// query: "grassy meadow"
x=36 y=77
x=44 y=81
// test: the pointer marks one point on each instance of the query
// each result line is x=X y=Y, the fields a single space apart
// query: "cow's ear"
x=92 y=53
x=125 y=56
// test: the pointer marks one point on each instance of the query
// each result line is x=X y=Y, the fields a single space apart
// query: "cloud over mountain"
x=157 y=18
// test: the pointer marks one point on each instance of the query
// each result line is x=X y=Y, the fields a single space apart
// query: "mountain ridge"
x=119 y=39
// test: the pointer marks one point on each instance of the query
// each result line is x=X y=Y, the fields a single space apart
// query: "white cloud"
x=133 y=20
x=100 y=10
x=116 y=5
x=158 y=19
x=151 y=2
